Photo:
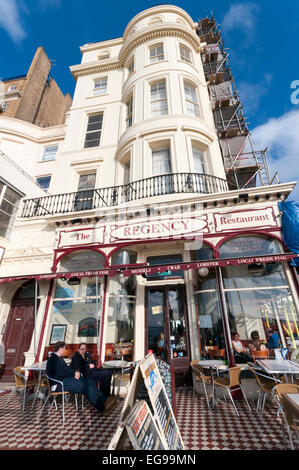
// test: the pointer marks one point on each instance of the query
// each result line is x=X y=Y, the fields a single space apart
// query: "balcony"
x=92 y=199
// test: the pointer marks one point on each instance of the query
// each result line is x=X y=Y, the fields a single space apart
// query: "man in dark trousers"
x=72 y=380
x=82 y=362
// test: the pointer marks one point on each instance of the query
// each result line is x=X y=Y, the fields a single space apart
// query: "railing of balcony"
x=160 y=185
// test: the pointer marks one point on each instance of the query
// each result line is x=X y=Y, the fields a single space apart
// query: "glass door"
x=166 y=320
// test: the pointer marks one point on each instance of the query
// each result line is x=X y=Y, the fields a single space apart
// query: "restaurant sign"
x=245 y=220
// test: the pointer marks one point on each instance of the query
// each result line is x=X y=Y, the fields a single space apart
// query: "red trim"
x=231 y=235
x=67 y=251
x=45 y=320
x=145 y=268
x=246 y=210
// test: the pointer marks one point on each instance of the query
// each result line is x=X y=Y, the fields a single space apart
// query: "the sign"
x=161 y=405
x=244 y=220
x=167 y=376
x=147 y=373
x=171 y=227
x=142 y=429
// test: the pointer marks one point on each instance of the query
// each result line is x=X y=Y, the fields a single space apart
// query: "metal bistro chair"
x=232 y=382
x=289 y=412
x=266 y=386
x=22 y=384
x=200 y=376
x=53 y=394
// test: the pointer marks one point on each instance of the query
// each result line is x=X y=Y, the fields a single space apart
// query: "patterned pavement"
x=201 y=428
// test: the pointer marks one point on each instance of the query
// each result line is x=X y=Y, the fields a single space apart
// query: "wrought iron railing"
x=91 y=199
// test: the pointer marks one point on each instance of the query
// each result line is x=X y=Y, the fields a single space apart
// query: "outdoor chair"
x=200 y=376
x=232 y=383
x=22 y=385
x=266 y=386
x=289 y=412
x=260 y=355
x=53 y=394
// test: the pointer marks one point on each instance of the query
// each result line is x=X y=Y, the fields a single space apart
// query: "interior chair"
x=22 y=385
x=200 y=376
x=53 y=394
x=231 y=383
x=260 y=355
x=221 y=353
x=289 y=412
x=266 y=385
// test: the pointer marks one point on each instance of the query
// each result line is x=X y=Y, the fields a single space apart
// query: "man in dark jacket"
x=72 y=380
x=82 y=362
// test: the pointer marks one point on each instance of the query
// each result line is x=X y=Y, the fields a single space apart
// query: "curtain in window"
x=158 y=99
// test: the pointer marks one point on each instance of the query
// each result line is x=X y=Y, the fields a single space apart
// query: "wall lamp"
x=73 y=281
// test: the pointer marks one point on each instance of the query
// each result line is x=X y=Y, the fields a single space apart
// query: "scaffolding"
x=244 y=166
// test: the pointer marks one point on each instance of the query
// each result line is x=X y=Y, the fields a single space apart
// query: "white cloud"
x=281 y=136
x=10 y=19
x=240 y=15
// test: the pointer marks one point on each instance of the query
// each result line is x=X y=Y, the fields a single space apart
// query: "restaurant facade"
x=143 y=244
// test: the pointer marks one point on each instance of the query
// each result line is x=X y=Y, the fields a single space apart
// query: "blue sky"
x=261 y=36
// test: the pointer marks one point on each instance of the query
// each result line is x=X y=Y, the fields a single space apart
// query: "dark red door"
x=18 y=334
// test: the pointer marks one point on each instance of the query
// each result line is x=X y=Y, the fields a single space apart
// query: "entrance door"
x=18 y=334
x=166 y=325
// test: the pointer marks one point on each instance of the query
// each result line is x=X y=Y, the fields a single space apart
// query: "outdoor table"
x=116 y=365
x=213 y=365
x=39 y=367
x=277 y=367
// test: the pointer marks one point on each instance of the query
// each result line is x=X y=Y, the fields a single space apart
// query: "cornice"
x=158 y=31
x=91 y=68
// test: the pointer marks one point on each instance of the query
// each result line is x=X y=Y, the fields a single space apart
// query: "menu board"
x=165 y=372
x=161 y=404
x=142 y=429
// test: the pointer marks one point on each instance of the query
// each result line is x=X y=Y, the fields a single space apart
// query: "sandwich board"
x=147 y=373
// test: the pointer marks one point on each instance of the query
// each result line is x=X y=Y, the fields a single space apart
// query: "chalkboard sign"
x=142 y=429
x=166 y=373
x=136 y=418
x=161 y=404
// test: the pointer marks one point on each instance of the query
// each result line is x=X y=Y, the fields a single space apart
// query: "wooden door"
x=18 y=334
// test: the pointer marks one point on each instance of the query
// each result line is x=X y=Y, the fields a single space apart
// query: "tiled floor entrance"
x=201 y=429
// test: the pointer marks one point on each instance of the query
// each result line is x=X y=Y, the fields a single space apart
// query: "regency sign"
x=188 y=226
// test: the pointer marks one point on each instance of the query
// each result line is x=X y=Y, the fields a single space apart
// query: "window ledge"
x=155 y=63
x=96 y=96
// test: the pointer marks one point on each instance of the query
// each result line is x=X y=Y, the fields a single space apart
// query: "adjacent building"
x=161 y=228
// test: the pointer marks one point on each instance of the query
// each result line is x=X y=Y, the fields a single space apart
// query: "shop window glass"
x=207 y=306
x=165 y=260
x=124 y=257
x=79 y=307
x=27 y=291
x=258 y=295
x=120 y=321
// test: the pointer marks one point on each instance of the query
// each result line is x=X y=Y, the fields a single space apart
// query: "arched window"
x=257 y=295
x=86 y=260
x=26 y=291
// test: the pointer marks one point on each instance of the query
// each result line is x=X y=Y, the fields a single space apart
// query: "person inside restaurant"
x=274 y=340
x=240 y=352
x=255 y=342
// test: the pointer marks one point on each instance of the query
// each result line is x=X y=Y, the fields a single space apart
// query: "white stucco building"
x=139 y=196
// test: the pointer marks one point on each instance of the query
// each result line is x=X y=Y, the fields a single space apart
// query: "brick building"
x=35 y=97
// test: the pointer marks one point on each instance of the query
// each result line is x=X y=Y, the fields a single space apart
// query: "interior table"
x=213 y=366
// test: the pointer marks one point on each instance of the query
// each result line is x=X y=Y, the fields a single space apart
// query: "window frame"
x=43 y=177
x=182 y=56
x=188 y=101
x=129 y=111
x=159 y=100
x=97 y=80
x=52 y=153
x=89 y=116
x=156 y=58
